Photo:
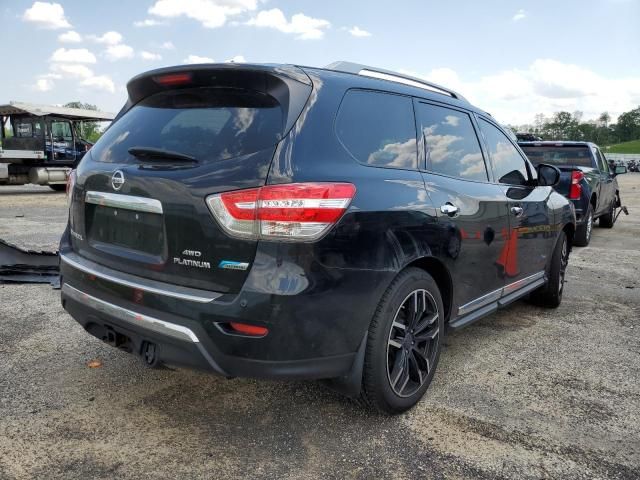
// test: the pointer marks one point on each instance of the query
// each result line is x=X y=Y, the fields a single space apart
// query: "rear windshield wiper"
x=160 y=154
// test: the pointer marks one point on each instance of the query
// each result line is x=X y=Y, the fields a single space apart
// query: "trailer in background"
x=40 y=144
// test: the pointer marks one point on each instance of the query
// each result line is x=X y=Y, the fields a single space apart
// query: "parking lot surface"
x=524 y=393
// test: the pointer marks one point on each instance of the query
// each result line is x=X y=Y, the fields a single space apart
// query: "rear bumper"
x=317 y=316
x=186 y=344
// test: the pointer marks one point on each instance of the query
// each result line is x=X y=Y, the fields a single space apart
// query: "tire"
x=58 y=187
x=583 y=232
x=608 y=219
x=399 y=367
x=550 y=294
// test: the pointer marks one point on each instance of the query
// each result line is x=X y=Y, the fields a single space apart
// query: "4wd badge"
x=190 y=262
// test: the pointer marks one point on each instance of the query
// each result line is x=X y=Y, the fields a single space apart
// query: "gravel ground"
x=524 y=393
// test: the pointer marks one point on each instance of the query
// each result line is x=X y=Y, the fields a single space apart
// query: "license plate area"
x=109 y=227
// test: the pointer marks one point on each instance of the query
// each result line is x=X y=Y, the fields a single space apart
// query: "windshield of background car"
x=208 y=123
x=579 y=156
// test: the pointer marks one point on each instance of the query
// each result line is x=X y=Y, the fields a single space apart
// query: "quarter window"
x=378 y=129
x=509 y=166
x=451 y=144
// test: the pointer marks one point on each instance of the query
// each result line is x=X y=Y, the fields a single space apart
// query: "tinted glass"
x=559 y=156
x=378 y=129
x=602 y=162
x=27 y=128
x=510 y=167
x=451 y=144
x=61 y=130
x=206 y=123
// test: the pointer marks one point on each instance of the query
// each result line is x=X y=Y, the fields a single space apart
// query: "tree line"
x=570 y=126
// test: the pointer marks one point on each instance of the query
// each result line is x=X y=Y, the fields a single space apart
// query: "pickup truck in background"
x=586 y=179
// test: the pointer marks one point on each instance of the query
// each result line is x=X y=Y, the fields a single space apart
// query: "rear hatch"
x=185 y=133
x=567 y=157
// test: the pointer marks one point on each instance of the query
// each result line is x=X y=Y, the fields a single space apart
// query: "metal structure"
x=44 y=142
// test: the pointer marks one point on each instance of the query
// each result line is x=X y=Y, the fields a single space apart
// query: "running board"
x=502 y=302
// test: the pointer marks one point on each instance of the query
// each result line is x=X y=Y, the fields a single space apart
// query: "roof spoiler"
x=288 y=84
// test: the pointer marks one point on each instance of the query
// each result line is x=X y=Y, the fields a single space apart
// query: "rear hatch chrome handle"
x=126 y=202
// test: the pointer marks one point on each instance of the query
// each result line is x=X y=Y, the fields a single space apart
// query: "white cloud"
x=118 y=52
x=304 y=27
x=168 y=46
x=71 y=70
x=358 y=32
x=73 y=55
x=43 y=84
x=47 y=15
x=150 y=55
x=70 y=37
x=546 y=86
x=99 y=82
x=108 y=38
x=198 y=59
x=210 y=13
x=148 y=22
x=520 y=15
x=236 y=59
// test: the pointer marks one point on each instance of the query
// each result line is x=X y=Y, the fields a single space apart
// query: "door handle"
x=449 y=209
x=517 y=211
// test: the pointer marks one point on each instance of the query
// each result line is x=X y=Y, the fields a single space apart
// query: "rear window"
x=559 y=156
x=378 y=129
x=207 y=123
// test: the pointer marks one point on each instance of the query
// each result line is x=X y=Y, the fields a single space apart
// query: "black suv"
x=292 y=222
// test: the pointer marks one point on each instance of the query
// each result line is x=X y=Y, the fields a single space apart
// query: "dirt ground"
x=525 y=393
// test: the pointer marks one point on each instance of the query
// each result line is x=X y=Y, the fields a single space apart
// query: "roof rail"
x=374 y=72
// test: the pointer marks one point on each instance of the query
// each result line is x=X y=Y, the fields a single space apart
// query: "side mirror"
x=620 y=169
x=548 y=175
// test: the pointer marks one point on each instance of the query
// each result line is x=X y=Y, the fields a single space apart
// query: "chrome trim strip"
x=480 y=302
x=127 y=202
x=499 y=293
x=159 y=326
x=512 y=287
x=132 y=281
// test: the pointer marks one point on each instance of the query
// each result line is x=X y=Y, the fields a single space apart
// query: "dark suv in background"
x=292 y=222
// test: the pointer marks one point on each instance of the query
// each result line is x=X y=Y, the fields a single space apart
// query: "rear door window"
x=210 y=124
x=451 y=144
x=509 y=166
x=378 y=129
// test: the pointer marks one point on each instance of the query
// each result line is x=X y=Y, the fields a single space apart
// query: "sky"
x=512 y=58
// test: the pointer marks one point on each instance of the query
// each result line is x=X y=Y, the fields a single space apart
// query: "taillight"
x=575 y=191
x=295 y=211
x=71 y=183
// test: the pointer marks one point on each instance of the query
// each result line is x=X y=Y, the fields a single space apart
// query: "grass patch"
x=626 y=147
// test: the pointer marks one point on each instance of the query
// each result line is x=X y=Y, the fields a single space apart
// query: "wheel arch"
x=442 y=277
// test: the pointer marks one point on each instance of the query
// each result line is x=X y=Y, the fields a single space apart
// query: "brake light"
x=71 y=183
x=295 y=211
x=575 y=190
x=173 y=79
